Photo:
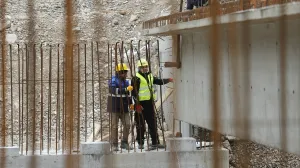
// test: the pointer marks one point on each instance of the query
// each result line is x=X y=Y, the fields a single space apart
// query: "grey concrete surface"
x=150 y=159
x=264 y=14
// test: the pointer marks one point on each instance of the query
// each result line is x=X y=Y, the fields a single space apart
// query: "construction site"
x=224 y=84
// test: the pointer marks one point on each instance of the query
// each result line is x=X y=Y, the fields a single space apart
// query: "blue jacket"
x=118 y=99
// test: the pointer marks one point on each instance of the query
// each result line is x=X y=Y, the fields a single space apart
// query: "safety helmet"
x=121 y=67
x=142 y=62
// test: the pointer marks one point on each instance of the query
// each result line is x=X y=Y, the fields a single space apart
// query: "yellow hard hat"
x=142 y=62
x=121 y=67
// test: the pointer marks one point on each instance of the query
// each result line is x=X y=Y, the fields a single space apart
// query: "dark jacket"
x=135 y=82
x=118 y=99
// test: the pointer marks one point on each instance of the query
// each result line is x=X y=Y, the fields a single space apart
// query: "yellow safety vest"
x=144 y=92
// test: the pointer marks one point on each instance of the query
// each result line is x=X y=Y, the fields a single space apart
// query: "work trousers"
x=148 y=115
x=125 y=119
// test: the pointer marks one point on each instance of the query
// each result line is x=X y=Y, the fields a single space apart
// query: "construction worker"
x=144 y=103
x=118 y=102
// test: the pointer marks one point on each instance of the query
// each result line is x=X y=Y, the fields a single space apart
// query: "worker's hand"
x=171 y=80
x=129 y=88
x=131 y=107
x=138 y=108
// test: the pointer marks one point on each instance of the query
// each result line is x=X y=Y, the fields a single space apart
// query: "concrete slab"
x=9 y=151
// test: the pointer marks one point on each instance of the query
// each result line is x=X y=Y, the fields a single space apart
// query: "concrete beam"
x=268 y=13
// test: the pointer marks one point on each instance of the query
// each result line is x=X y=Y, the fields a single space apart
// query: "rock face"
x=103 y=21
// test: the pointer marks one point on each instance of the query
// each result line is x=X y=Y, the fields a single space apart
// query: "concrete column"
x=182 y=144
x=90 y=148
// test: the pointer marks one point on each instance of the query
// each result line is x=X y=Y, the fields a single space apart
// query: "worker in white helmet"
x=143 y=93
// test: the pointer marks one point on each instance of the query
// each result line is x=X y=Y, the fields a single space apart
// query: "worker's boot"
x=159 y=146
x=115 y=147
x=141 y=146
x=125 y=145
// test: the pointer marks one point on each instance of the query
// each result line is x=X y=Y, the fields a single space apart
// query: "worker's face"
x=123 y=74
x=144 y=69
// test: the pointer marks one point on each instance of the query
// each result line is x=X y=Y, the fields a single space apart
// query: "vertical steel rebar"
x=215 y=67
x=85 y=96
x=58 y=136
x=34 y=105
x=69 y=81
x=283 y=78
x=19 y=93
x=3 y=73
x=22 y=111
x=110 y=76
x=63 y=103
x=27 y=81
x=11 y=97
x=100 y=96
x=42 y=101
x=246 y=91
x=78 y=92
x=93 y=94
x=49 y=99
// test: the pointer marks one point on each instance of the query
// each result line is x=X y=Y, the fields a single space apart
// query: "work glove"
x=171 y=80
x=129 y=88
x=131 y=107
x=138 y=108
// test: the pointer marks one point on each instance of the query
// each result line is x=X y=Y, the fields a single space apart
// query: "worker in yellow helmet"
x=143 y=91
x=119 y=99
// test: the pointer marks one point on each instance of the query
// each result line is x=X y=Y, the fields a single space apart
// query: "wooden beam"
x=176 y=49
x=171 y=64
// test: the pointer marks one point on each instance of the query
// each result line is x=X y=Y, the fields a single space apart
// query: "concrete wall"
x=193 y=95
x=182 y=153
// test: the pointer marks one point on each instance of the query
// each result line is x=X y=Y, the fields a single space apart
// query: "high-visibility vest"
x=144 y=92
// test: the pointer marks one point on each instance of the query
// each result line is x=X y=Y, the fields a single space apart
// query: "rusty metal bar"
x=215 y=78
x=93 y=95
x=34 y=105
x=22 y=111
x=85 y=96
x=58 y=102
x=63 y=104
x=19 y=93
x=100 y=96
x=69 y=81
x=283 y=78
x=3 y=73
x=246 y=91
x=49 y=99
x=27 y=74
x=11 y=97
x=78 y=92
x=42 y=103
